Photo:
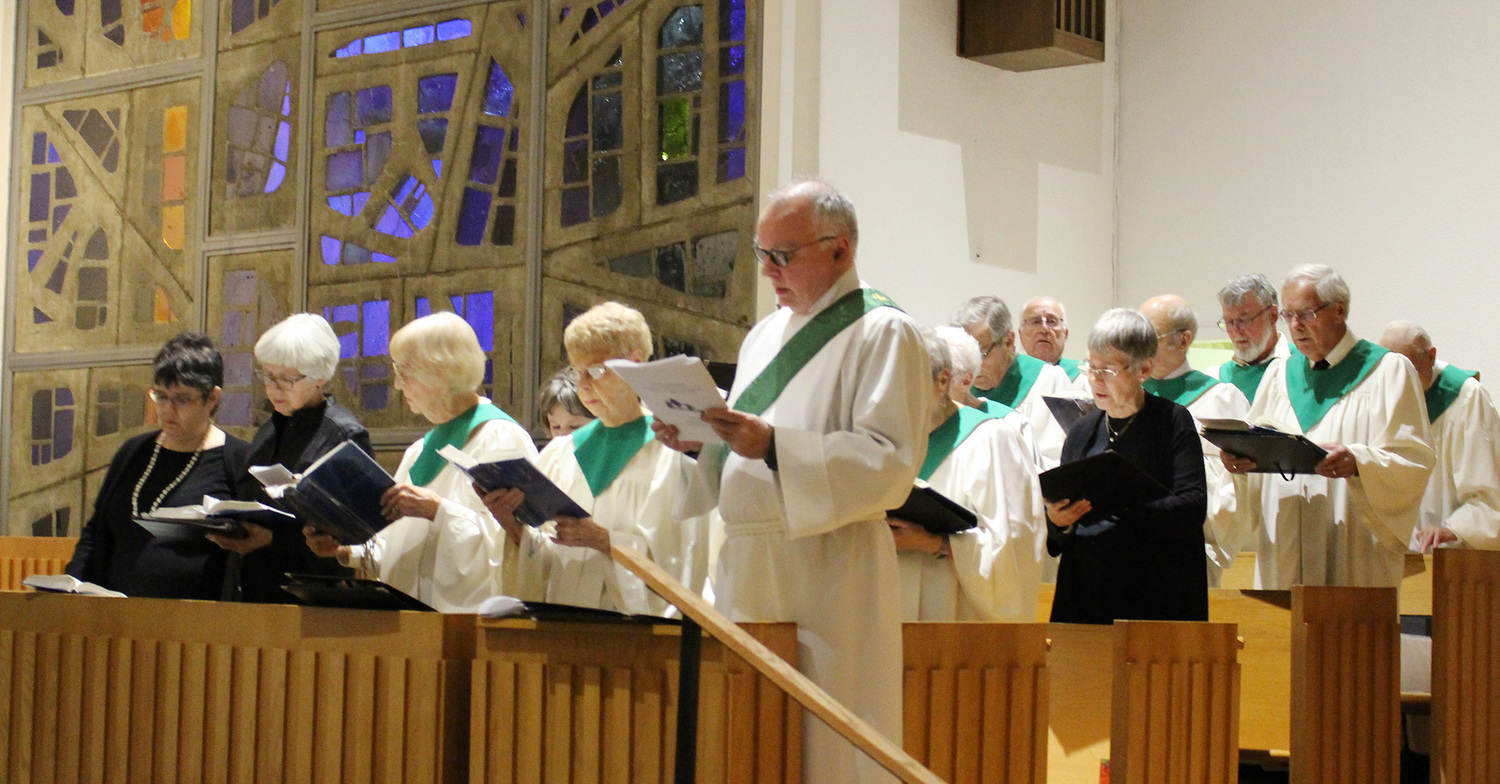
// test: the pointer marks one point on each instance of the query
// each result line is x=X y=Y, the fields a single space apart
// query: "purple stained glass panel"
x=41 y=414
x=64 y=396
x=578 y=113
x=731 y=20
x=479 y=311
x=377 y=152
x=424 y=307
x=354 y=254
x=372 y=106
x=473 y=215
x=418 y=36
x=374 y=397
x=391 y=223
x=275 y=177
x=732 y=112
x=239 y=368
x=229 y=328
x=52 y=156
x=38 y=149
x=62 y=441
x=421 y=214
x=239 y=288
x=336 y=127
x=37 y=235
x=332 y=249
x=575 y=161
x=41 y=196
x=381 y=258
x=283 y=141
x=499 y=92
x=344 y=205
x=58 y=213
x=32 y=257
x=434 y=133
x=435 y=93
x=38 y=317
x=383 y=42
x=575 y=206
x=731 y=60
x=234 y=409
x=377 y=327
x=732 y=164
x=454 y=28
x=345 y=170
x=489 y=147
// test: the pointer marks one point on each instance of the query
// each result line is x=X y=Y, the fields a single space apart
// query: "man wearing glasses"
x=1249 y=304
x=1348 y=523
x=1205 y=397
x=1044 y=334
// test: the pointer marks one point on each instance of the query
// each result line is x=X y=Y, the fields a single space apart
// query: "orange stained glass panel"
x=151 y=19
x=174 y=225
x=174 y=129
x=174 y=178
x=161 y=310
x=182 y=19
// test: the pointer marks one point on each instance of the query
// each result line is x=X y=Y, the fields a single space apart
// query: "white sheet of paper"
x=676 y=389
x=276 y=478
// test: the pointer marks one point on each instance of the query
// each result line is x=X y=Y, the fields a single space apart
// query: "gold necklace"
x=1109 y=427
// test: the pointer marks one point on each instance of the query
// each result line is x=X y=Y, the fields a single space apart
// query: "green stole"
x=760 y=393
x=1070 y=366
x=1246 y=377
x=942 y=441
x=603 y=452
x=1182 y=390
x=994 y=407
x=454 y=432
x=1017 y=382
x=1313 y=392
x=1444 y=390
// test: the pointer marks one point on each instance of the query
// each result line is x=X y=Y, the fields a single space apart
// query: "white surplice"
x=808 y=543
x=1464 y=491
x=640 y=510
x=457 y=560
x=1310 y=530
x=1051 y=381
x=996 y=568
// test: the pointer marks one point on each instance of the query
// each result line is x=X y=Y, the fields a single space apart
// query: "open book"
x=339 y=494
x=544 y=500
x=64 y=583
x=213 y=516
x=1273 y=450
x=934 y=511
x=677 y=389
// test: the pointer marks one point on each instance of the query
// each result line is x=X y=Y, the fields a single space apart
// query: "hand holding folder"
x=1108 y=481
x=1272 y=450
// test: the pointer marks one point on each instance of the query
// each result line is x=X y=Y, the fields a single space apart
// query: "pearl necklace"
x=135 y=495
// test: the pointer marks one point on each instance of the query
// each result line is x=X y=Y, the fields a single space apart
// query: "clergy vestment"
x=994 y=573
x=637 y=502
x=1311 y=530
x=1464 y=491
x=1246 y=376
x=1207 y=398
x=1022 y=387
x=456 y=560
x=808 y=542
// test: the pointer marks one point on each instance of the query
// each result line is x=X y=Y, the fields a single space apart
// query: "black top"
x=115 y=552
x=1147 y=562
x=296 y=442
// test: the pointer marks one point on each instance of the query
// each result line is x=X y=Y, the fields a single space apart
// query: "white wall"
x=1365 y=135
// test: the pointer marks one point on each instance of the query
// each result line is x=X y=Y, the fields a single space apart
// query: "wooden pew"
x=588 y=702
x=1415 y=591
x=1466 y=668
x=23 y=556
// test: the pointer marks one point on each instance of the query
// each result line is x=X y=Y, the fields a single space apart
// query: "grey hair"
x=990 y=311
x=1407 y=332
x=963 y=350
x=1254 y=284
x=304 y=341
x=937 y=351
x=1127 y=331
x=559 y=391
x=829 y=207
x=1329 y=285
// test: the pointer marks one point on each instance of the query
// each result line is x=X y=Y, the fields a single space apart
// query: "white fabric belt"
x=755 y=528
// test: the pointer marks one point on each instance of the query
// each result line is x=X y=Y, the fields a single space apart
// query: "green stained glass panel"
x=676 y=128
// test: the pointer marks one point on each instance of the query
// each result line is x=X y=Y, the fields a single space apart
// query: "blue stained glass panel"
x=286 y=100
x=578 y=113
x=354 y=254
x=345 y=170
x=731 y=20
x=383 y=42
x=354 y=49
x=489 y=148
x=372 y=106
x=589 y=20
x=336 y=121
x=731 y=60
x=424 y=307
x=606 y=7
x=417 y=36
x=275 y=177
x=457 y=301
x=52 y=156
x=283 y=141
x=479 y=311
x=382 y=258
x=338 y=313
x=683 y=28
x=360 y=197
x=435 y=93
x=359 y=137
x=473 y=214
x=373 y=397
x=498 y=92
x=421 y=215
x=377 y=331
x=437 y=168
x=732 y=164
x=454 y=28
x=332 y=247
x=732 y=112
x=679 y=73
x=391 y=223
x=32 y=257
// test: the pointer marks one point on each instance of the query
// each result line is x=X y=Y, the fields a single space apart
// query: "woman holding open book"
x=177 y=465
x=1142 y=562
x=442 y=546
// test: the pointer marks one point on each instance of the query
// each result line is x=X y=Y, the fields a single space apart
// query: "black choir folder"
x=1109 y=482
x=1068 y=411
x=1273 y=451
x=934 y=511
x=544 y=500
x=339 y=494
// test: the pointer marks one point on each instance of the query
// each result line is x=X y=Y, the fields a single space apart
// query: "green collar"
x=942 y=441
x=1313 y=392
x=1245 y=377
x=994 y=407
x=603 y=452
x=1182 y=390
x=1071 y=367
x=1016 y=383
x=1444 y=390
x=454 y=432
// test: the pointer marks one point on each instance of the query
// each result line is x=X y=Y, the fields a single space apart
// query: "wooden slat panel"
x=244 y=702
x=617 y=726
x=588 y=725
x=328 y=719
x=23 y=693
x=117 y=715
x=712 y=720
x=743 y=713
x=143 y=697
x=301 y=715
x=359 y=708
x=218 y=716
x=390 y=731
x=531 y=701
x=647 y=722
x=271 y=716
x=7 y=681
x=1466 y=667
x=44 y=760
x=70 y=708
x=559 y=722
x=941 y=743
x=23 y=556
x=425 y=762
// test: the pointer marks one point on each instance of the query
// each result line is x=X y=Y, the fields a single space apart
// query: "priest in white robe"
x=1349 y=523
x=1249 y=304
x=1205 y=397
x=820 y=446
x=1011 y=378
x=443 y=547
x=1461 y=507
x=629 y=483
x=991 y=572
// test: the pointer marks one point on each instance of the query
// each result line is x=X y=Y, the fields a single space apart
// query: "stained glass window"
x=166 y=20
x=243 y=13
x=54 y=523
x=679 y=88
x=594 y=140
x=489 y=199
x=364 y=330
x=391 y=40
x=51 y=425
x=260 y=134
x=174 y=177
x=118 y=408
x=732 y=134
x=701 y=266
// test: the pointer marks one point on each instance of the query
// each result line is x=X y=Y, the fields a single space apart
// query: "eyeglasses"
x=275 y=381
x=594 y=372
x=1050 y=322
x=1304 y=315
x=1245 y=322
x=164 y=400
x=1100 y=373
x=1168 y=333
x=783 y=258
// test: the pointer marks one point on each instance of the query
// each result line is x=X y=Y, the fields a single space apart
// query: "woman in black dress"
x=177 y=465
x=1146 y=562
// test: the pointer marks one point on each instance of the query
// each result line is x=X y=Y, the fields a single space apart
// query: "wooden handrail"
x=812 y=697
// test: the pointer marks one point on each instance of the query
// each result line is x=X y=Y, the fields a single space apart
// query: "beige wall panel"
x=24 y=512
x=149 y=203
x=116 y=409
x=283 y=18
x=153 y=33
x=247 y=120
x=62 y=53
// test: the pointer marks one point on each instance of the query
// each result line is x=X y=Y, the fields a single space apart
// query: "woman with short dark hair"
x=177 y=465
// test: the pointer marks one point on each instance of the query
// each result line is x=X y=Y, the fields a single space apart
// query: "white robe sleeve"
x=1466 y=483
x=1395 y=460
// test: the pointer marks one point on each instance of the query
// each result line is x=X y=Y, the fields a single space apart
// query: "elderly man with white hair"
x=1205 y=397
x=1044 y=334
x=1349 y=523
x=991 y=572
x=1249 y=306
x=1462 y=505
x=1012 y=378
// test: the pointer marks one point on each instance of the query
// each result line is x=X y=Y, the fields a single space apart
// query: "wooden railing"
x=1466 y=668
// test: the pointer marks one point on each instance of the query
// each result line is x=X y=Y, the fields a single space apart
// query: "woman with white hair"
x=442 y=546
x=1144 y=562
x=297 y=358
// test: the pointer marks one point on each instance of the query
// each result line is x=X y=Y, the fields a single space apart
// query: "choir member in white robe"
x=1012 y=378
x=629 y=483
x=1462 y=505
x=1249 y=304
x=1205 y=397
x=991 y=572
x=443 y=547
x=1044 y=335
x=805 y=484
x=1349 y=523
